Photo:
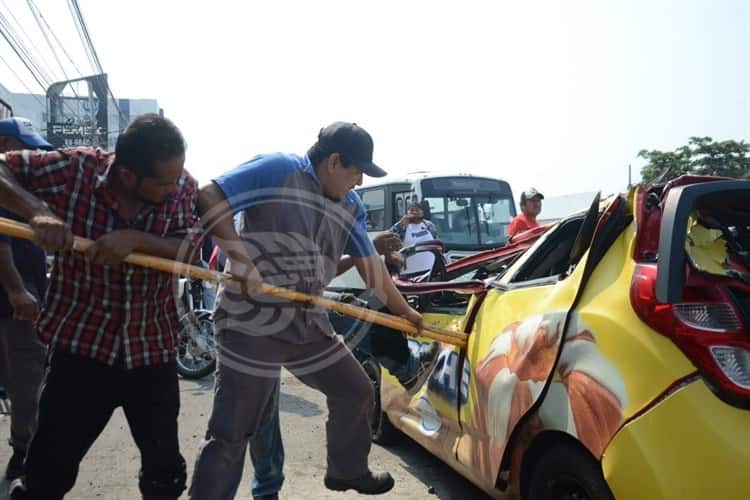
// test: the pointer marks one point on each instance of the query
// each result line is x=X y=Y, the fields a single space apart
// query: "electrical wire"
x=31 y=5
x=59 y=43
x=90 y=45
x=23 y=82
x=34 y=56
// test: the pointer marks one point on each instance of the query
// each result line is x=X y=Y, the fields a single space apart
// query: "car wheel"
x=565 y=472
x=383 y=431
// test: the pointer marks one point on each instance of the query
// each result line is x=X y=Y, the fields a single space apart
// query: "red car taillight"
x=706 y=326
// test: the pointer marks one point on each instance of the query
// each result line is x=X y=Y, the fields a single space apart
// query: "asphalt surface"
x=110 y=469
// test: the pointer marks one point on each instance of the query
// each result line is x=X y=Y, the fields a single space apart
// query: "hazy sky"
x=558 y=95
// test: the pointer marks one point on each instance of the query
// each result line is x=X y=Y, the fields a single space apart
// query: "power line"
x=80 y=35
x=51 y=31
x=10 y=40
x=35 y=96
x=36 y=58
x=31 y=5
x=90 y=45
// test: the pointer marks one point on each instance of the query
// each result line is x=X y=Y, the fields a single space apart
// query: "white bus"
x=471 y=213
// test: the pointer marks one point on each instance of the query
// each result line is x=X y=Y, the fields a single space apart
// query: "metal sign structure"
x=80 y=119
x=5 y=110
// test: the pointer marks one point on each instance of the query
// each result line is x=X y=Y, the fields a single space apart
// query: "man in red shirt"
x=111 y=327
x=531 y=205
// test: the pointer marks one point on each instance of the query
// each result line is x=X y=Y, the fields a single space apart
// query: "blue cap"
x=23 y=130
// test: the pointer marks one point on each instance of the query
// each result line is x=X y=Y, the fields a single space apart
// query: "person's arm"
x=113 y=247
x=385 y=244
x=432 y=229
x=377 y=277
x=50 y=233
x=180 y=244
x=513 y=227
x=373 y=270
x=217 y=217
x=24 y=304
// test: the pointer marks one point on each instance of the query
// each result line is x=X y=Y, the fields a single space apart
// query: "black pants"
x=78 y=397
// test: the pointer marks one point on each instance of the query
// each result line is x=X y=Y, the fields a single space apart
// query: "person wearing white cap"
x=23 y=281
x=531 y=206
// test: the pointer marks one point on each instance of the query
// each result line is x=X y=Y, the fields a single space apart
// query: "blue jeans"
x=267 y=451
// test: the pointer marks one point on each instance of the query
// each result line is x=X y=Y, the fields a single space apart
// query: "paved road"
x=110 y=469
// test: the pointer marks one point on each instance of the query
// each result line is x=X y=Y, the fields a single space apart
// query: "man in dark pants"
x=111 y=327
x=299 y=216
x=23 y=280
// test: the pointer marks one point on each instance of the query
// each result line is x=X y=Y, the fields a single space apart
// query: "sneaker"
x=17 y=490
x=273 y=496
x=427 y=359
x=369 y=484
x=14 y=470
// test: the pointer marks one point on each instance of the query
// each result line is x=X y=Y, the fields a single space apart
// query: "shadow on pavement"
x=197 y=387
x=291 y=403
x=446 y=483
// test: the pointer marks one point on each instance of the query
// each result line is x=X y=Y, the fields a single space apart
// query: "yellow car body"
x=566 y=361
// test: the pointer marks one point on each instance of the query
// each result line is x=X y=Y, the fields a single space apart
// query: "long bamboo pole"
x=21 y=230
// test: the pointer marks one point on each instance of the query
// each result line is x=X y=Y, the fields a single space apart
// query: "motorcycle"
x=196 y=354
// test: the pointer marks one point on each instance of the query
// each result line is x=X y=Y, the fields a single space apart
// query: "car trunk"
x=692 y=281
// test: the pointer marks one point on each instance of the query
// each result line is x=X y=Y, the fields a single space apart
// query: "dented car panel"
x=560 y=348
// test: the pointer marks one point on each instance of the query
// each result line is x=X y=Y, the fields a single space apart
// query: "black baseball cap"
x=351 y=142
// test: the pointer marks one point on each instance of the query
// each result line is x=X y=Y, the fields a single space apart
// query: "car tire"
x=383 y=431
x=567 y=472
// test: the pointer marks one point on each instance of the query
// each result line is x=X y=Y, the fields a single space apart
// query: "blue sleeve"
x=359 y=244
x=256 y=180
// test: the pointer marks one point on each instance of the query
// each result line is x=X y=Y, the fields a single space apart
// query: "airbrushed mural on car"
x=585 y=398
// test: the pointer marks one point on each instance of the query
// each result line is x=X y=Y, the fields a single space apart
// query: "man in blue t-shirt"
x=23 y=281
x=301 y=224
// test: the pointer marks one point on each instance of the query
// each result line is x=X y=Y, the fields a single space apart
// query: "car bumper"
x=689 y=446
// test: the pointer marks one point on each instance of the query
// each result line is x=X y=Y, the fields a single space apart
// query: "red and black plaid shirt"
x=100 y=312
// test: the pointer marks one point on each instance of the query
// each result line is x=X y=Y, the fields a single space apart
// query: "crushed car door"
x=427 y=411
x=515 y=341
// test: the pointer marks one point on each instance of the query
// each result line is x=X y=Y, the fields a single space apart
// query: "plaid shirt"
x=125 y=313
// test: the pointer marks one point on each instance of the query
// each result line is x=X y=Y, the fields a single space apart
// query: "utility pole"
x=630 y=176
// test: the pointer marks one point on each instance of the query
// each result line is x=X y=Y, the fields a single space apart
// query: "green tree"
x=701 y=156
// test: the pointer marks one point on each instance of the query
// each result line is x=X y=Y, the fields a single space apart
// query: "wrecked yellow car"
x=610 y=360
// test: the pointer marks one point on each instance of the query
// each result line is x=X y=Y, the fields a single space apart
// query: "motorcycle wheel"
x=196 y=354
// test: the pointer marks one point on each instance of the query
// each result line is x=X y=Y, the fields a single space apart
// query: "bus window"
x=469 y=212
x=401 y=203
x=374 y=200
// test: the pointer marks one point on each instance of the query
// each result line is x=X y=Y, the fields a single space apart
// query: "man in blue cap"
x=300 y=216
x=23 y=281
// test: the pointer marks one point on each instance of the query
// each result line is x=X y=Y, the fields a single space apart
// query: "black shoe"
x=17 y=490
x=272 y=496
x=369 y=484
x=14 y=470
x=427 y=359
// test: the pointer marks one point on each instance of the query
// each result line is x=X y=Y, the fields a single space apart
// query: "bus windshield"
x=468 y=212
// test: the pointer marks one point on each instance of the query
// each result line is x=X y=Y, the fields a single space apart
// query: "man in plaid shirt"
x=111 y=327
